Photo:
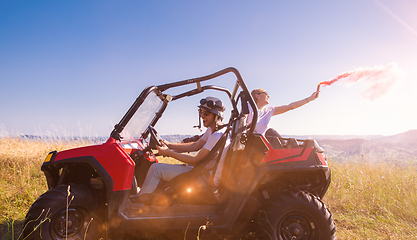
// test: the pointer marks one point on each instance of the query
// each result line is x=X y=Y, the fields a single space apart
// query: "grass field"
x=373 y=201
x=369 y=200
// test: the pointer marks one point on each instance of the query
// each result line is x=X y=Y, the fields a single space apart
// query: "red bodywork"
x=112 y=157
x=289 y=154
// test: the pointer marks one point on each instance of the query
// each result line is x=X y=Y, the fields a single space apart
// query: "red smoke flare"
x=379 y=79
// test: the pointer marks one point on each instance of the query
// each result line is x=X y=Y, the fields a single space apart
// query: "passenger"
x=211 y=111
x=261 y=98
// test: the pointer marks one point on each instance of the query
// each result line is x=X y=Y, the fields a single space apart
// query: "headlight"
x=49 y=157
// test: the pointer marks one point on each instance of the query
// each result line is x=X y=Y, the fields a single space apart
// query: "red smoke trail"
x=379 y=79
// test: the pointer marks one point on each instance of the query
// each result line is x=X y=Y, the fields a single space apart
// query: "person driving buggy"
x=211 y=112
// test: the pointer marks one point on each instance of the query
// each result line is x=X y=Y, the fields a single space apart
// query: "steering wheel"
x=155 y=138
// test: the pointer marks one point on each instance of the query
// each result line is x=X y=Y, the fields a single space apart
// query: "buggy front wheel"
x=63 y=212
x=296 y=215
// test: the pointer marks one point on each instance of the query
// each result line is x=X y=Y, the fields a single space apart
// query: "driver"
x=211 y=112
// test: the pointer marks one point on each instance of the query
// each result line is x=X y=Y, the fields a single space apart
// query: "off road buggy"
x=271 y=187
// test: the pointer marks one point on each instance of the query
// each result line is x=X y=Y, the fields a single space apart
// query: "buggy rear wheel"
x=63 y=212
x=296 y=215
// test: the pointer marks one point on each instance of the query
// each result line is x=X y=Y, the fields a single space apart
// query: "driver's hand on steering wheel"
x=163 y=150
x=165 y=142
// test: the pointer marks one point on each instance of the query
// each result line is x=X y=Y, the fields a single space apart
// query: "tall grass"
x=369 y=199
x=374 y=200
x=21 y=180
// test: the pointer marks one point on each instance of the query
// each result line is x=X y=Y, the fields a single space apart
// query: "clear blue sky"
x=75 y=67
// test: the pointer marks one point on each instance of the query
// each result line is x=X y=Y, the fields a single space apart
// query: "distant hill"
x=175 y=137
x=399 y=145
x=333 y=137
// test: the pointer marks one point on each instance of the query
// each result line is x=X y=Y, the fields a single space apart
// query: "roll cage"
x=166 y=98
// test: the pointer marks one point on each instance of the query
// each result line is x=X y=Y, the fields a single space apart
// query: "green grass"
x=368 y=200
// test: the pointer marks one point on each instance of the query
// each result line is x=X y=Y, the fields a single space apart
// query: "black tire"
x=296 y=215
x=47 y=217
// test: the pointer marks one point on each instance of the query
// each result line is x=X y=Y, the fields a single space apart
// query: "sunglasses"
x=203 y=113
x=211 y=104
x=265 y=93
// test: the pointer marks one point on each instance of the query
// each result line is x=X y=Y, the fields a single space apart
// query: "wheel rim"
x=75 y=223
x=296 y=226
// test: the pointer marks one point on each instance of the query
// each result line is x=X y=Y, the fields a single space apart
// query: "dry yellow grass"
x=21 y=179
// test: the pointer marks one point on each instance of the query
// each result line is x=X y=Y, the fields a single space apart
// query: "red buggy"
x=271 y=188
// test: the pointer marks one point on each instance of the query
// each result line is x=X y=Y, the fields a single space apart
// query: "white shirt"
x=211 y=138
x=264 y=116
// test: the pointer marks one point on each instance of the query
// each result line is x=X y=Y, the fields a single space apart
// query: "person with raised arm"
x=265 y=113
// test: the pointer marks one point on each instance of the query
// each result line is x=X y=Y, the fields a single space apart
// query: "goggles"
x=211 y=104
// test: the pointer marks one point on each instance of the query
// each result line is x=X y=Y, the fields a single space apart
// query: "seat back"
x=292 y=143
x=275 y=142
